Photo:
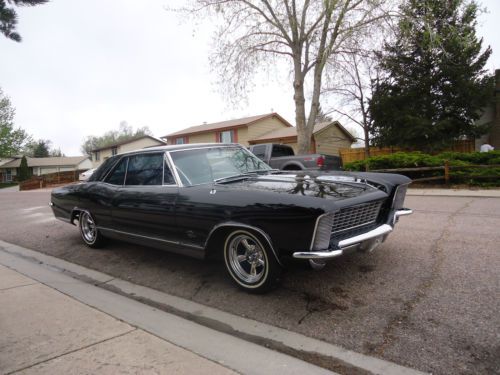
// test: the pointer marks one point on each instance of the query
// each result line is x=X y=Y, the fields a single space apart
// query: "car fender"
x=234 y=224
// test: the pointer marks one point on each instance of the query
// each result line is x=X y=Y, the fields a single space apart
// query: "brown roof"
x=245 y=121
x=63 y=161
x=128 y=141
x=292 y=132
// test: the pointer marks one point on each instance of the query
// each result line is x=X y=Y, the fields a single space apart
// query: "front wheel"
x=250 y=262
x=88 y=230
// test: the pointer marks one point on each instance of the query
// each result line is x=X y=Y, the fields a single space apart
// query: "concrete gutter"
x=222 y=337
x=484 y=193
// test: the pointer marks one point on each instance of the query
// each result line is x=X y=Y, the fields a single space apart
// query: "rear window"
x=103 y=169
x=282 y=151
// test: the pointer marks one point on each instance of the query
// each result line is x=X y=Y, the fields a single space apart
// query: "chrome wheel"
x=88 y=228
x=246 y=258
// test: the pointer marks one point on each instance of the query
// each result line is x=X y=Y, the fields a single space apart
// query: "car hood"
x=327 y=186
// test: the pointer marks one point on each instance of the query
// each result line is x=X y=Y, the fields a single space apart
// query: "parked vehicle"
x=283 y=157
x=84 y=176
x=215 y=199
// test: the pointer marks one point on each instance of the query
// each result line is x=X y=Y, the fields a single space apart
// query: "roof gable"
x=245 y=121
x=116 y=144
x=292 y=132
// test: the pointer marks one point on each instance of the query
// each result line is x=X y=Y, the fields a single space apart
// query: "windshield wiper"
x=235 y=177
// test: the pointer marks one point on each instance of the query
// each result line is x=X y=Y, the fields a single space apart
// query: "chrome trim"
x=174 y=169
x=239 y=225
x=396 y=193
x=151 y=238
x=401 y=212
x=377 y=233
x=316 y=228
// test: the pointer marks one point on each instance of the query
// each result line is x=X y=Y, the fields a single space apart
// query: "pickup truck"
x=282 y=157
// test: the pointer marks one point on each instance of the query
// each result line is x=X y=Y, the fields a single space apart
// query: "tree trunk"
x=367 y=142
x=303 y=138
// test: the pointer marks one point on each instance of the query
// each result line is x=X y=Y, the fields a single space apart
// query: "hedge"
x=474 y=176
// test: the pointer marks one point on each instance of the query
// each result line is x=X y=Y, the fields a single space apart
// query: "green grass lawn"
x=7 y=184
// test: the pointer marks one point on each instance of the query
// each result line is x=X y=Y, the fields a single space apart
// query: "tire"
x=250 y=262
x=88 y=230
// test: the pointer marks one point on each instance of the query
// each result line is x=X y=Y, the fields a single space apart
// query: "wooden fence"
x=51 y=179
x=447 y=172
x=354 y=154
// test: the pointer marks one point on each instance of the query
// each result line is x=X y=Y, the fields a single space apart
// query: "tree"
x=124 y=133
x=24 y=172
x=257 y=35
x=8 y=16
x=357 y=73
x=434 y=84
x=39 y=149
x=12 y=141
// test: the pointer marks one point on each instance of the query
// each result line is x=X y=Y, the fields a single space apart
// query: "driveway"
x=427 y=298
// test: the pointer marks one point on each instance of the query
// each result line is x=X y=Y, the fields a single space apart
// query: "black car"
x=210 y=199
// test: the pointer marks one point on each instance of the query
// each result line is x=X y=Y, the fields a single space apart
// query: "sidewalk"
x=46 y=332
x=57 y=320
x=485 y=193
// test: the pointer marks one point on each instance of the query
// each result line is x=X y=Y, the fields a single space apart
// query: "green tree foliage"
x=8 y=16
x=40 y=148
x=435 y=84
x=12 y=141
x=24 y=171
x=124 y=133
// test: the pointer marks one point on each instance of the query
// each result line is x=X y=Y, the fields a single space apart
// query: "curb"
x=454 y=193
x=320 y=353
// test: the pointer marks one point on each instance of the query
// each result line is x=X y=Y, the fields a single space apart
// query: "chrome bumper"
x=364 y=242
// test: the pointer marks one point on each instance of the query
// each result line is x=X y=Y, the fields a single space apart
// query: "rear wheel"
x=88 y=230
x=250 y=261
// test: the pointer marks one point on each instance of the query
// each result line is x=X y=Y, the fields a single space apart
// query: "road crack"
x=437 y=255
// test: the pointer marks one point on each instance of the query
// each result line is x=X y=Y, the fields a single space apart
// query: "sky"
x=84 y=66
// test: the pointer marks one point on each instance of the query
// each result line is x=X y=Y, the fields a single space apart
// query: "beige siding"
x=330 y=140
x=131 y=146
x=202 y=138
x=262 y=127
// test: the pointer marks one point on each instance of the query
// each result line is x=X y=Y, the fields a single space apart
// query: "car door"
x=97 y=197
x=144 y=206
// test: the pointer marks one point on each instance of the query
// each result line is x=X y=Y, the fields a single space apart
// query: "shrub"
x=472 y=176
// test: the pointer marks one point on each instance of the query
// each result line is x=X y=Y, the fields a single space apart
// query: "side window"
x=168 y=177
x=146 y=169
x=259 y=151
x=279 y=151
x=117 y=175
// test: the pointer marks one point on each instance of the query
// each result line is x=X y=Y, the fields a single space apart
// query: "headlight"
x=399 y=197
x=322 y=232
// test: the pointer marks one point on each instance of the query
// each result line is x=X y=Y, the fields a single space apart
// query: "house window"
x=114 y=151
x=227 y=136
x=97 y=155
x=181 y=140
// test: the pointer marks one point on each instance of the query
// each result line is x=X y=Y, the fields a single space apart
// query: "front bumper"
x=364 y=242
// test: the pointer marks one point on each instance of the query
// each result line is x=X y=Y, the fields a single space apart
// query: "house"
x=241 y=130
x=102 y=153
x=42 y=166
x=328 y=138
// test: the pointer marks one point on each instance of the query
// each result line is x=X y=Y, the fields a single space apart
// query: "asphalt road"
x=428 y=298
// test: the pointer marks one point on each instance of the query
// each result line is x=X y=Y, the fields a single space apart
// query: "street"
x=426 y=299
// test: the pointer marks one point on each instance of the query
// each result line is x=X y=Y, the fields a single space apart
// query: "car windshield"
x=206 y=165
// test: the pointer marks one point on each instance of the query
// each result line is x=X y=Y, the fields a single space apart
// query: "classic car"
x=221 y=200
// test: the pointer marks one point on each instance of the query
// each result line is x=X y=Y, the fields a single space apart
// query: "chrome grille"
x=356 y=216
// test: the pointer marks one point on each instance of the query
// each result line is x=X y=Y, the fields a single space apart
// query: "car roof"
x=188 y=146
